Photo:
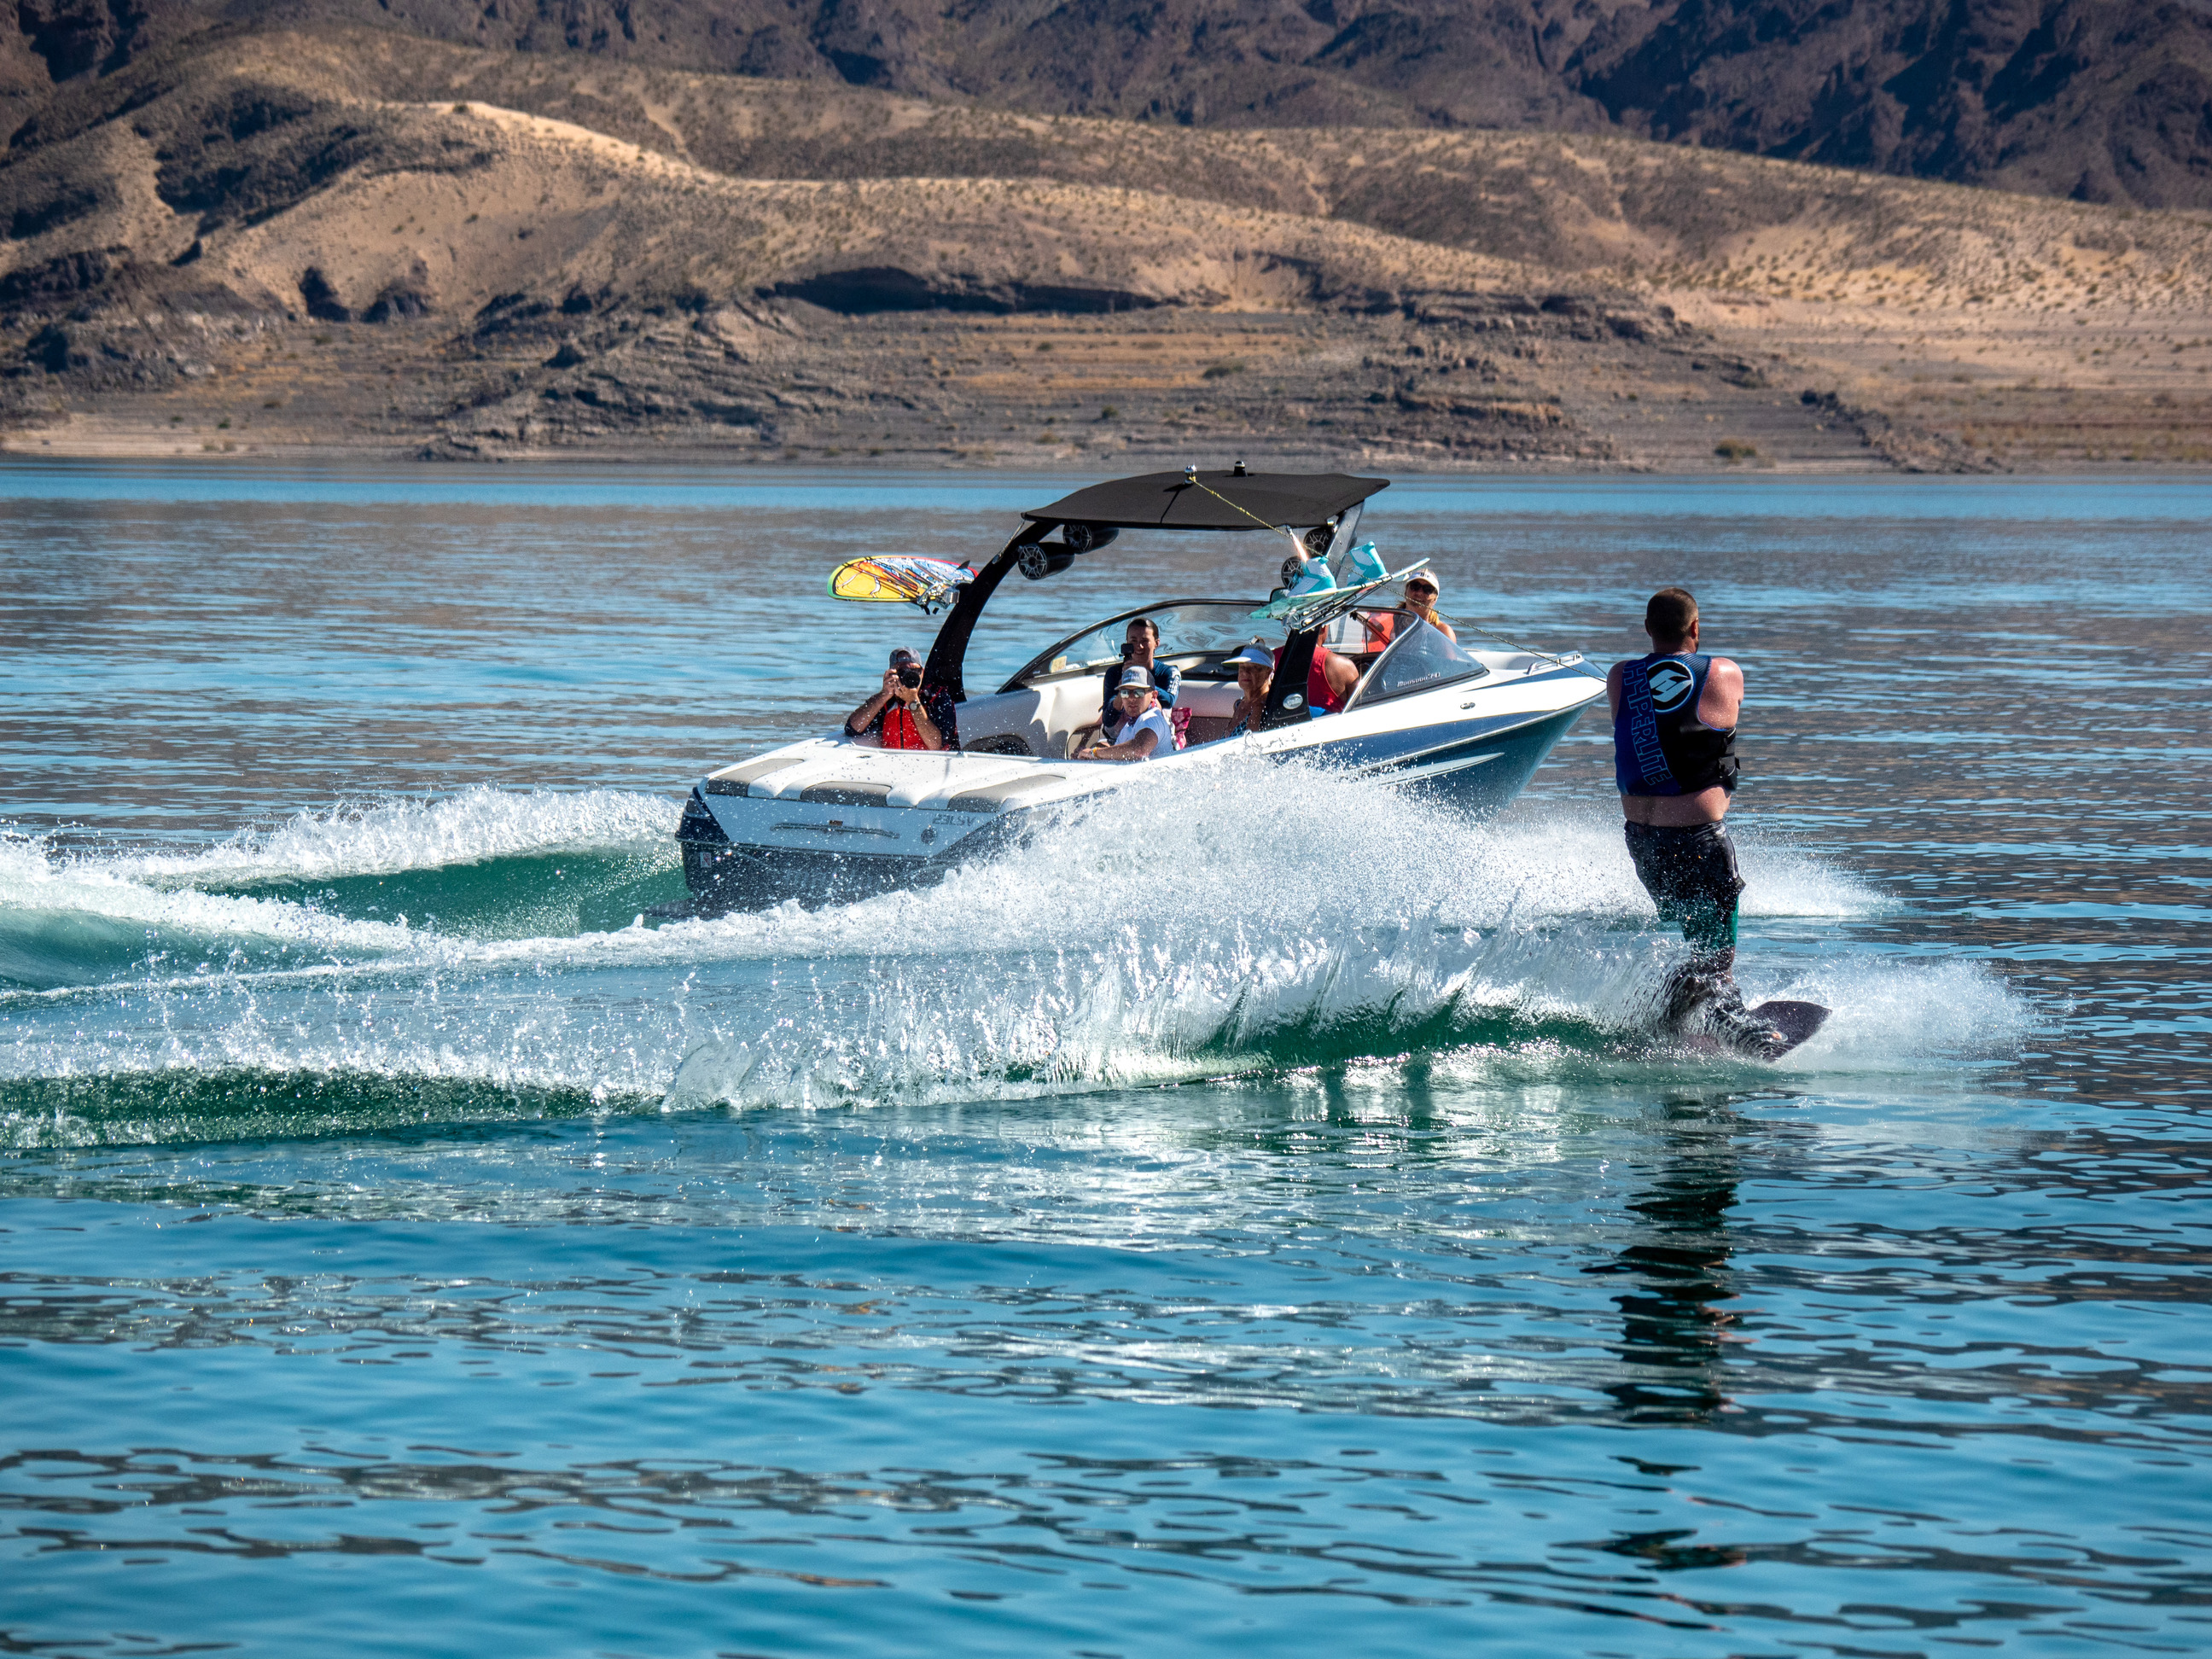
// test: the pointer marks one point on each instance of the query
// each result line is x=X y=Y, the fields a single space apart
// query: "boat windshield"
x=1419 y=659
x=1193 y=634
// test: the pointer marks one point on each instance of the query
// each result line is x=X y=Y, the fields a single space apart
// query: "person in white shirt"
x=1140 y=730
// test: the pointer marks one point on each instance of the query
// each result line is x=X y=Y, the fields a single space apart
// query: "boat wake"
x=492 y=958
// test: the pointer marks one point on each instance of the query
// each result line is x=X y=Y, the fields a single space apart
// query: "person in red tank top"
x=1329 y=678
x=906 y=714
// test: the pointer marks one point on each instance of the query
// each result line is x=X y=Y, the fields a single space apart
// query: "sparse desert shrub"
x=1736 y=449
x=1224 y=369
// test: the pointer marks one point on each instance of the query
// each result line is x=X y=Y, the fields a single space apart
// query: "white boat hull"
x=826 y=820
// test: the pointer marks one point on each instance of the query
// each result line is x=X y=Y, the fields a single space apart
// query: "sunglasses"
x=1133 y=691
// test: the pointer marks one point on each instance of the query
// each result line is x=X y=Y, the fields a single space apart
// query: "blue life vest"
x=1658 y=747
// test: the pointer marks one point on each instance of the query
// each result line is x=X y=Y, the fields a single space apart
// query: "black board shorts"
x=1691 y=873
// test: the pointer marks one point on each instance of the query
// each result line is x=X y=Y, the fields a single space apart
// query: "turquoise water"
x=1267 y=1219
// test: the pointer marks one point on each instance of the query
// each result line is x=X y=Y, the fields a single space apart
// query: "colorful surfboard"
x=899 y=579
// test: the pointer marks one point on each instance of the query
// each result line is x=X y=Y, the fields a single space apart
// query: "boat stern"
x=825 y=822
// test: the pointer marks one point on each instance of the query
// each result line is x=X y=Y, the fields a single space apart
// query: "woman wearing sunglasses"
x=1421 y=594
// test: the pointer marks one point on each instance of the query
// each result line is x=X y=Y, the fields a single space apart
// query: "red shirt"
x=901 y=729
x=1319 y=699
x=895 y=723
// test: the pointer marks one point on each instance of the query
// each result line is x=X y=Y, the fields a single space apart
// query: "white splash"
x=1255 y=918
x=382 y=837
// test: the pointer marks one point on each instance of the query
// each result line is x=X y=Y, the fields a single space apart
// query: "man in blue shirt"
x=1141 y=645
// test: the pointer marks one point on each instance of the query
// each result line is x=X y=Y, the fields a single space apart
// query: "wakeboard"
x=1797 y=1021
x=899 y=578
x=1302 y=611
x=1735 y=1034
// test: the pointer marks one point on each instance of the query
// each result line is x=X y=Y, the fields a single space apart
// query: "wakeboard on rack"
x=1299 y=611
x=900 y=579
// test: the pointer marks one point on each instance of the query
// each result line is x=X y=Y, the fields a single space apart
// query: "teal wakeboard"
x=1300 y=612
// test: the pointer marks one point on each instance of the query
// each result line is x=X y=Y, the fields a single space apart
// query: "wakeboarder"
x=1674 y=715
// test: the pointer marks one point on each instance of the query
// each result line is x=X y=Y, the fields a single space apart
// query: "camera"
x=910 y=676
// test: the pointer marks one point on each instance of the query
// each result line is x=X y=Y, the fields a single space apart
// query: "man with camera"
x=906 y=714
x=1140 y=648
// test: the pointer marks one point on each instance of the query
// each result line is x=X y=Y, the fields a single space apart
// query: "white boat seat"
x=999 y=796
x=847 y=794
x=737 y=780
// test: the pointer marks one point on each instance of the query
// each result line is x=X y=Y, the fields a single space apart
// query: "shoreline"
x=1672 y=382
x=647 y=453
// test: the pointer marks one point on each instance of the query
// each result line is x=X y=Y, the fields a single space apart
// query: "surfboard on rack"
x=899 y=579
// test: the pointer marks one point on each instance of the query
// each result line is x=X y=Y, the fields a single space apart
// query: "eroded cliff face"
x=440 y=250
x=2105 y=100
x=2099 y=101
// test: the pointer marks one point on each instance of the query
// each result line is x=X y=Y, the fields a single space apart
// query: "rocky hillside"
x=346 y=237
x=361 y=174
x=2099 y=100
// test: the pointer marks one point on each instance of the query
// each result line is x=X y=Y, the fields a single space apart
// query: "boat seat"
x=846 y=794
x=1000 y=796
x=737 y=780
x=1207 y=729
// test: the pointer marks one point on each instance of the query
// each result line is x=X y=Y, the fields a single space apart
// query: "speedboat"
x=830 y=818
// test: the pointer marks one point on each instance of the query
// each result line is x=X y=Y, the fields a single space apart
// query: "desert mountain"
x=244 y=163
x=527 y=251
x=2101 y=100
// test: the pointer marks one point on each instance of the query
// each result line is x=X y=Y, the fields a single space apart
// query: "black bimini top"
x=1171 y=500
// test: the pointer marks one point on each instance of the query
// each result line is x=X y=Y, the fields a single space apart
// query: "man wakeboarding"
x=1675 y=715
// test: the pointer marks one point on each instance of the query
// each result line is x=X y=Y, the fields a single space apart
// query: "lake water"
x=1262 y=1220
